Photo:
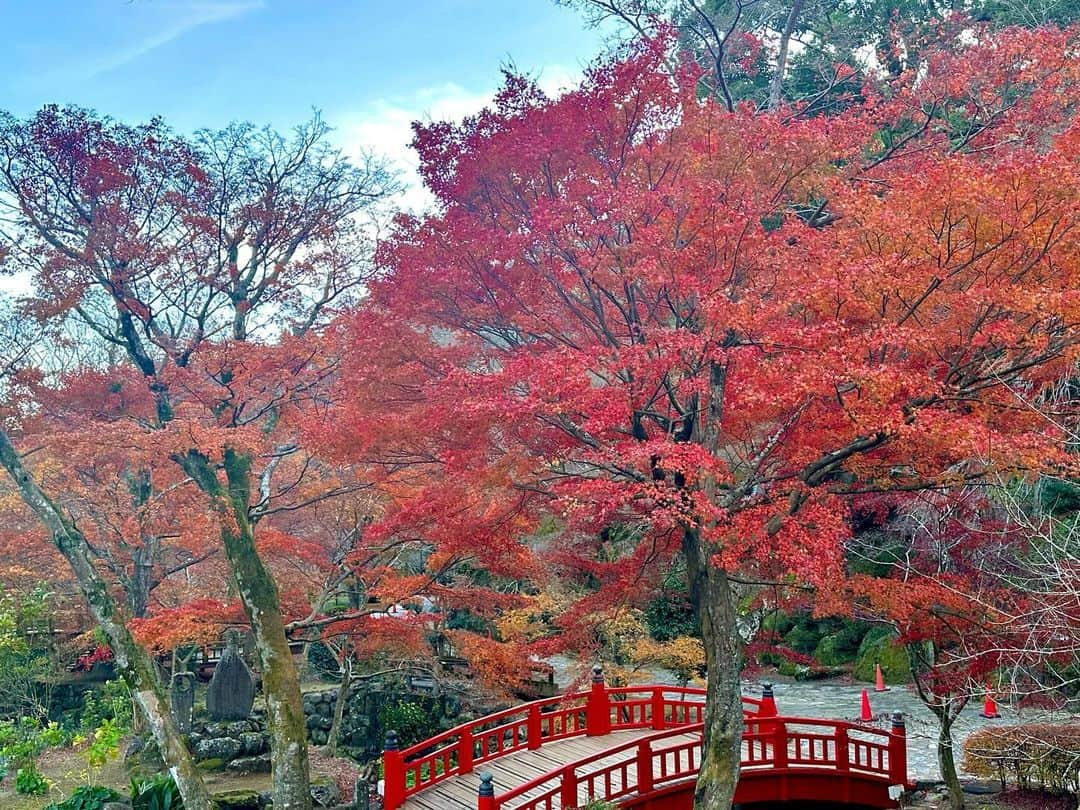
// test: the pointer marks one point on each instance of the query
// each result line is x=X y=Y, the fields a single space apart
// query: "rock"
x=324 y=793
x=213 y=764
x=116 y=806
x=266 y=799
x=252 y=742
x=216 y=730
x=981 y=787
x=256 y=764
x=318 y=736
x=134 y=748
x=238 y=800
x=237 y=728
x=224 y=748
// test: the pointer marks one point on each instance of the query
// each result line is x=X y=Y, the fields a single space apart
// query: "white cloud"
x=384 y=127
x=172 y=20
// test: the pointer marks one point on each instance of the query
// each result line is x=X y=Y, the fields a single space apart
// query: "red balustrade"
x=791 y=745
x=598 y=711
x=770 y=744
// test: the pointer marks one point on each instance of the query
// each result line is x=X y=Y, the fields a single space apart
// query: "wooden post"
x=393 y=773
x=568 y=791
x=843 y=763
x=779 y=735
x=485 y=797
x=597 y=706
x=898 y=751
x=658 y=721
x=532 y=728
x=644 y=768
x=465 y=751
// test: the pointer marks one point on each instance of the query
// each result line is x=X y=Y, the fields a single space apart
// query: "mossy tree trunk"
x=133 y=663
x=339 y=708
x=259 y=595
x=946 y=709
x=712 y=598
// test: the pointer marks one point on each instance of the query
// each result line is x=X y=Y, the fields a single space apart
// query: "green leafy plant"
x=104 y=745
x=87 y=797
x=112 y=701
x=159 y=792
x=29 y=781
x=408 y=719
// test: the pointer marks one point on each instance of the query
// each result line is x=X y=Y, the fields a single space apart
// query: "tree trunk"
x=259 y=595
x=132 y=662
x=710 y=593
x=339 y=707
x=947 y=763
x=777 y=83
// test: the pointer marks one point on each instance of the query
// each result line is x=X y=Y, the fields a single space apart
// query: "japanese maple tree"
x=635 y=308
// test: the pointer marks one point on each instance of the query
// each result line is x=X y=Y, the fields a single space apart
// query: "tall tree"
x=637 y=308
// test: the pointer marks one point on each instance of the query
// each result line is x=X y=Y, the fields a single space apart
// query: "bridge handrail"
x=595 y=712
x=771 y=733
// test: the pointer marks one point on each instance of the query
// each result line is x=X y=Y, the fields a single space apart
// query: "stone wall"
x=242 y=746
x=362 y=728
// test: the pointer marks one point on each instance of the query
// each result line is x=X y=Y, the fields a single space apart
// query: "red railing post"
x=465 y=751
x=485 y=797
x=843 y=763
x=532 y=728
x=568 y=790
x=898 y=750
x=779 y=736
x=597 y=706
x=393 y=773
x=658 y=720
x=644 y=768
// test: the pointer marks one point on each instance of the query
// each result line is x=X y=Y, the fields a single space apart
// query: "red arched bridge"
x=639 y=747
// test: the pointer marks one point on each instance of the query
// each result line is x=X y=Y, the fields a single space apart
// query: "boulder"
x=252 y=742
x=238 y=800
x=324 y=793
x=224 y=748
x=256 y=764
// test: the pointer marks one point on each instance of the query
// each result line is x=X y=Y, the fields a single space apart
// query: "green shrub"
x=87 y=797
x=159 y=792
x=411 y=722
x=29 y=781
x=111 y=701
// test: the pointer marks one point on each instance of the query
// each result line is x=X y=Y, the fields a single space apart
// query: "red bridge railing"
x=784 y=745
x=598 y=711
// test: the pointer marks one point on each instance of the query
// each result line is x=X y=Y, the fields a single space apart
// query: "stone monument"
x=232 y=688
x=183 y=700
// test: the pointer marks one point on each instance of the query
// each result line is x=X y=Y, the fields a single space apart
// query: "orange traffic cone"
x=879 y=679
x=865 y=715
x=989 y=711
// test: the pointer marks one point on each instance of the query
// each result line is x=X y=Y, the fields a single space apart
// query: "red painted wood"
x=784 y=758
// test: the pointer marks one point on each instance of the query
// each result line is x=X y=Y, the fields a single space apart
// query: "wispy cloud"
x=384 y=127
x=178 y=19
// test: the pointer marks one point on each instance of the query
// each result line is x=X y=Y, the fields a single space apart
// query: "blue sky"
x=370 y=65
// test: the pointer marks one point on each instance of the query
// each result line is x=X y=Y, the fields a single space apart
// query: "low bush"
x=87 y=797
x=1042 y=755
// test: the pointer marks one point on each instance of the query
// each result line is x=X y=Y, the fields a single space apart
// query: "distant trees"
x=208 y=264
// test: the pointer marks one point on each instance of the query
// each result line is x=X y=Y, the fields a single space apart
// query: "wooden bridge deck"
x=514 y=769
